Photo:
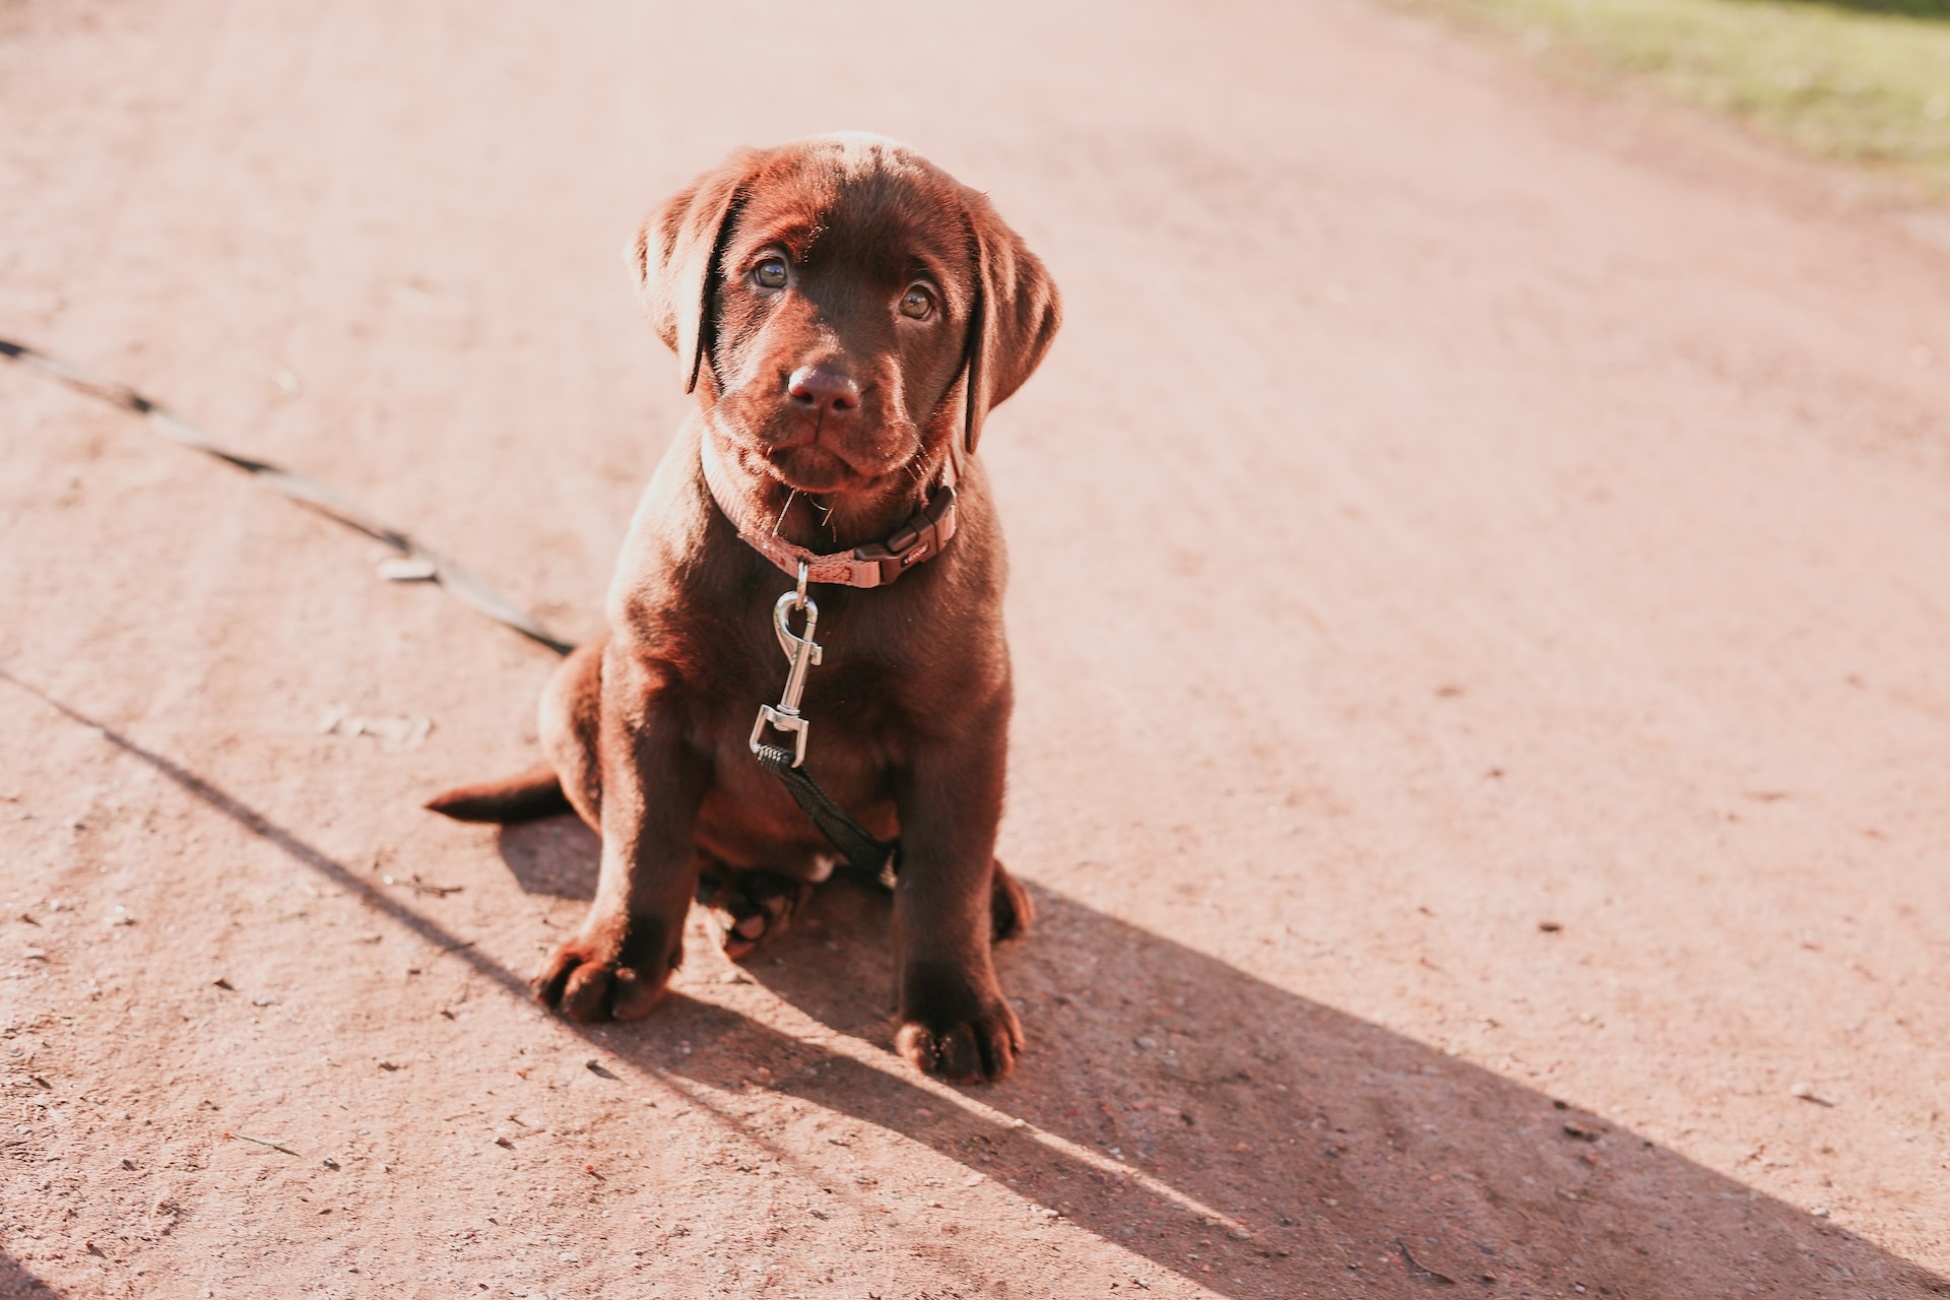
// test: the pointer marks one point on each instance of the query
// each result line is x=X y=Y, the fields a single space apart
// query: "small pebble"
x=1820 y=1211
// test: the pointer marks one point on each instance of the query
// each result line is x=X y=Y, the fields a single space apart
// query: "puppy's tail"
x=535 y=793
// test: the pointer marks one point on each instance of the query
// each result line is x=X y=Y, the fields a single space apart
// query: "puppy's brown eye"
x=917 y=303
x=770 y=273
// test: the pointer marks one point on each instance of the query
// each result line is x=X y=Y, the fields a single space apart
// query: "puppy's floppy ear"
x=675 y=257
x=1014 y=316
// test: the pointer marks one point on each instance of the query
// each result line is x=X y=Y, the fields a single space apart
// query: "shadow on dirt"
x=250 y=819
x=1250 y=1140
x=556 y=857
x=1241 y=1136
x=16 y=1283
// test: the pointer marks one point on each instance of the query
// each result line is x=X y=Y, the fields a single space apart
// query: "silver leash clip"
x=801 y=653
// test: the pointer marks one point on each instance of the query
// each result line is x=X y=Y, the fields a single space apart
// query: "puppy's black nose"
x=826 y=391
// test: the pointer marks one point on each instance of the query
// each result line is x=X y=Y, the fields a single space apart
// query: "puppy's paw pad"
x=753 y=906
x=588 y=986
x=982 y=1049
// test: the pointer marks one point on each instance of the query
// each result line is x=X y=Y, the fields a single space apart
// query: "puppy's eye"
x=917 y=303
x=770 y=273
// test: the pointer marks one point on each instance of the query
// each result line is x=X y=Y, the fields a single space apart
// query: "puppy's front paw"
x=610 y=971
x=952 y=1027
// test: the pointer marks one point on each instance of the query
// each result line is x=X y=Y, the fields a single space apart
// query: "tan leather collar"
x=877 y=564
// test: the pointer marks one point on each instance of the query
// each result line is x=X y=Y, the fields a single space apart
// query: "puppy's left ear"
x=675 y=257
x=1014 y=318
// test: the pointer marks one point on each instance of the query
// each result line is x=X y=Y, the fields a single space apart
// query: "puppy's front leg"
x=955 y=1021
x=618 y=963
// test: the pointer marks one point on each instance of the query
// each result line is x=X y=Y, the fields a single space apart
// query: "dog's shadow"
x=556 y=857
x=1249 y=1139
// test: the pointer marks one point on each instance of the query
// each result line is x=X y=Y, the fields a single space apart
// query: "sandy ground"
x=1479 y=610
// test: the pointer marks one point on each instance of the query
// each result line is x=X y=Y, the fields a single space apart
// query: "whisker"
x=914 y=468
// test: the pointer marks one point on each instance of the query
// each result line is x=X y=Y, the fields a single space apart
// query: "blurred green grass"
x=1862 y=81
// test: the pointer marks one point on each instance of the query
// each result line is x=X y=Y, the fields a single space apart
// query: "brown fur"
x=645 y=731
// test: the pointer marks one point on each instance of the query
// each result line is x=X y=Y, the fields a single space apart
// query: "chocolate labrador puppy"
x=846 y=314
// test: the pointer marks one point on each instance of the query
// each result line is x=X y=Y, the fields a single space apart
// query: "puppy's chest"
x=851 y=691
x=861 y=731
x=865 y=702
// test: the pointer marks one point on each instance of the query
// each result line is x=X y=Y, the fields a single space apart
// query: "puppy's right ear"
x=1016 y=314
x=675 y=258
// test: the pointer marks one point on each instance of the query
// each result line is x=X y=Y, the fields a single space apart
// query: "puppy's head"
x=844 y=309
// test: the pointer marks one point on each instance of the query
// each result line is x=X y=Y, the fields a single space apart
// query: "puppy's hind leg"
x=750 y=907
x=570 y=780
x=1010 y=908
x=570 y=721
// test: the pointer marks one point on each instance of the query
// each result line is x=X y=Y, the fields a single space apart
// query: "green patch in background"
x=1864 y=81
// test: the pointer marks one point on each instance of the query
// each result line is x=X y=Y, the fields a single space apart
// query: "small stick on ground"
x=263 y=1142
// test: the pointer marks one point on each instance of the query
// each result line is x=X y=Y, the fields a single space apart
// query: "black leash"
x=873 y=858
x=468 y=588
x=877 y=860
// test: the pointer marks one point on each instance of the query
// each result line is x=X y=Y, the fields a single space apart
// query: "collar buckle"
x=921 y=538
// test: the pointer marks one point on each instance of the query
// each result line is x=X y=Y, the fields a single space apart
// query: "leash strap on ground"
x=874 y=858
x=467 y=587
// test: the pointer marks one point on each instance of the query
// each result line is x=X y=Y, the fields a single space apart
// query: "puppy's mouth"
x=814 y=469
x=823 y=462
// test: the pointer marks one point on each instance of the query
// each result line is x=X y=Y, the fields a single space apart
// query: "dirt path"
x=1479 y=609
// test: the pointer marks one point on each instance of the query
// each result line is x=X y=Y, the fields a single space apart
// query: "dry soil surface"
x=1481 y=597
